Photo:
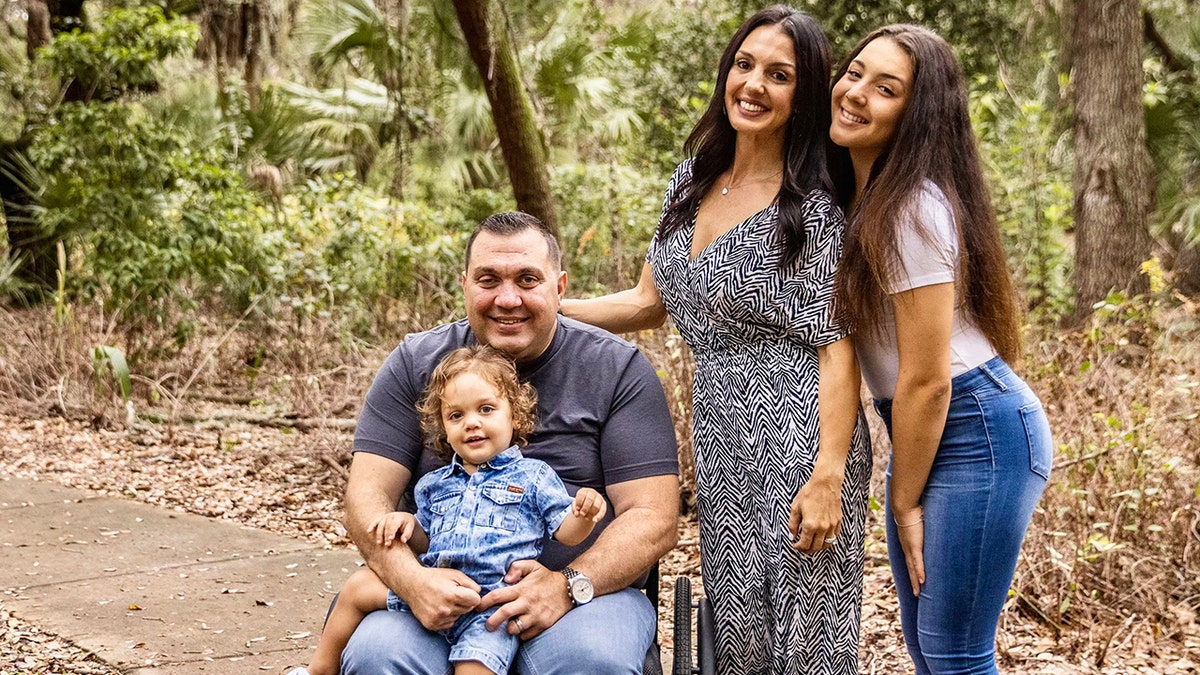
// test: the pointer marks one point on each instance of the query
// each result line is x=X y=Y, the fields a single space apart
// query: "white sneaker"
x=298 y=671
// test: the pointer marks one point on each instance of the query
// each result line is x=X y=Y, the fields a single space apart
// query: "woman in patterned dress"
x=743 y=260
x=926 y=286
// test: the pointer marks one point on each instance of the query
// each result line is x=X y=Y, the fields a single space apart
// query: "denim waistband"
x=993 y=373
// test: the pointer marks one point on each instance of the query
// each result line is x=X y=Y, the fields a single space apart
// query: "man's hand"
x=445 y=595
x=437 y=596
x=537 y=596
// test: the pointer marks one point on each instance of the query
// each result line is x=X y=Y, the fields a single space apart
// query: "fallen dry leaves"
x=290 y=482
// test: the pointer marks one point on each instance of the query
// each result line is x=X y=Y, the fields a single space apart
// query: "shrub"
x=340 y=250
x=606 y=219
x=145 y=217
x=1028 y=169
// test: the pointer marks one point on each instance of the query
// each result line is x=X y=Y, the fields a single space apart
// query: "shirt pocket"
x=500 y=508
x=443 y=510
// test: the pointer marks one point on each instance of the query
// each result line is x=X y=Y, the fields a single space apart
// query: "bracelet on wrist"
x=918 y=521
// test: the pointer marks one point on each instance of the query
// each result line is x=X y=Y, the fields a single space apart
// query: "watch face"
x=581 y=589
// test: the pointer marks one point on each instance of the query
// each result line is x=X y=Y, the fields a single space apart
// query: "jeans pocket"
x=1037 y=433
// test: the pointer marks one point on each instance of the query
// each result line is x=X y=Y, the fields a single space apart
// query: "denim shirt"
x=481 y=523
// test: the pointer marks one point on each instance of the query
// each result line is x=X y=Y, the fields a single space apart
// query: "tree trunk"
x=520 y=139
x=37 y=27
x=254 y=15
x=1112 y=181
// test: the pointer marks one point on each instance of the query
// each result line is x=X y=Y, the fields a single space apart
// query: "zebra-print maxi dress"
x=754 y=331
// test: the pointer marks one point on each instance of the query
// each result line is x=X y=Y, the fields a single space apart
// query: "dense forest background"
x=260 y=197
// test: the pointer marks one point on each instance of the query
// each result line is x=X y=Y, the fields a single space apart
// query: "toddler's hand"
x=388 y=526
x=589 y=505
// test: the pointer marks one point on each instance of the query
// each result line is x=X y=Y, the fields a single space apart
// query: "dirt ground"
x=237 y=464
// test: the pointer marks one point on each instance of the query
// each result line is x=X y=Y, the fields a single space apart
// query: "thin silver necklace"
x=725 y=190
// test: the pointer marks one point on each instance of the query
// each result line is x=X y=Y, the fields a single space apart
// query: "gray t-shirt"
x=602 y=414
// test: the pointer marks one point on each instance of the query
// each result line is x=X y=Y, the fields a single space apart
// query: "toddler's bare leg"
x=471 y=668
x=363 y=593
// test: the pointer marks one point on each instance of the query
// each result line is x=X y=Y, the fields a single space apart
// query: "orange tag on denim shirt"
x=517 y=489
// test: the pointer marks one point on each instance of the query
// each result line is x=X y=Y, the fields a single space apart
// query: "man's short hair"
x=509 y=223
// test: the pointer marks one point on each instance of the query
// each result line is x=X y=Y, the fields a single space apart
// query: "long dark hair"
x=933 y=141
x=712 y=141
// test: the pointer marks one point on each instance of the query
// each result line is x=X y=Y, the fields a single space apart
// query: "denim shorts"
x=470 y=640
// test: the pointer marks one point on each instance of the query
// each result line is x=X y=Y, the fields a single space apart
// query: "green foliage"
x=122 y=52
x=339 y=127
x=341 y=251
x=980 y=31
x=1172 y=100
x=581 y=79
x=147 y=213
x=15 y=92
x=106 y=359
x=1029 y=171
x=607 y=217
x=9 y=284
x=670 y=59
x=1119 y=321
x=343 y=30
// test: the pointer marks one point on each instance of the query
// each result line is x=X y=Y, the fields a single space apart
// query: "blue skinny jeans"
x=989 y=472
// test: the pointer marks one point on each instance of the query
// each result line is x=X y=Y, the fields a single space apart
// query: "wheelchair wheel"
x=682 y=663
x=706 y=648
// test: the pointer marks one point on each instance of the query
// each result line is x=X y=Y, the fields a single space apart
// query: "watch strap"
x=570 y=573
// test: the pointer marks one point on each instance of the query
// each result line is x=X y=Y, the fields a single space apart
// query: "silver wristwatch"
x=579 y=587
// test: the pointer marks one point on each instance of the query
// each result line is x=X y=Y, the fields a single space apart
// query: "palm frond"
x=337 y=30
x=341 y=125
x=468 y=120
x=360 y=101
x=620 y=125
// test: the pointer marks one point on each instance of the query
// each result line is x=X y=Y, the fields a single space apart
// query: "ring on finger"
x=831 y=540
x=520 y=626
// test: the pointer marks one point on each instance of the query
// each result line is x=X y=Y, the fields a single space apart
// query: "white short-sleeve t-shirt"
x=928 y=245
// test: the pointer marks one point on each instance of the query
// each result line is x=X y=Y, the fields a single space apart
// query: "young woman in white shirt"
x=924 y=284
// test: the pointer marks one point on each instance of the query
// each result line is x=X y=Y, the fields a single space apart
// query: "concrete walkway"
x=153 y=591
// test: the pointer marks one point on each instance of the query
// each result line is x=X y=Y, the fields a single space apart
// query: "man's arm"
x=437 y=597
x=647 y=511
x=645 y=529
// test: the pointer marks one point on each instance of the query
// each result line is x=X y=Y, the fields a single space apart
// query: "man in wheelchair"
x=603 y=424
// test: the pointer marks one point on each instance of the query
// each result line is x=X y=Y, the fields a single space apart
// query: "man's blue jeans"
x=990 y=470
x=610 y=634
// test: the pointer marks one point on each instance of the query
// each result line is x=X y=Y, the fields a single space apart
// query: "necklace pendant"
x=725 y=190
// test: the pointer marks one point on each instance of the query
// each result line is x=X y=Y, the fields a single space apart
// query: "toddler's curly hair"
x=495 y=368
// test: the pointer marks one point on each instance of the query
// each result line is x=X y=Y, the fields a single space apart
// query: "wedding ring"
x=520 y=626
x=830 y=540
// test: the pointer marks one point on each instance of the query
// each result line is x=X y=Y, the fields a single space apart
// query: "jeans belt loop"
x=993 y=376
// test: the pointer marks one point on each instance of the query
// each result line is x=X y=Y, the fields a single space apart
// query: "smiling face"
x=762 y=82
x=512 y=290
x=870 y=98
x=477 y=418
